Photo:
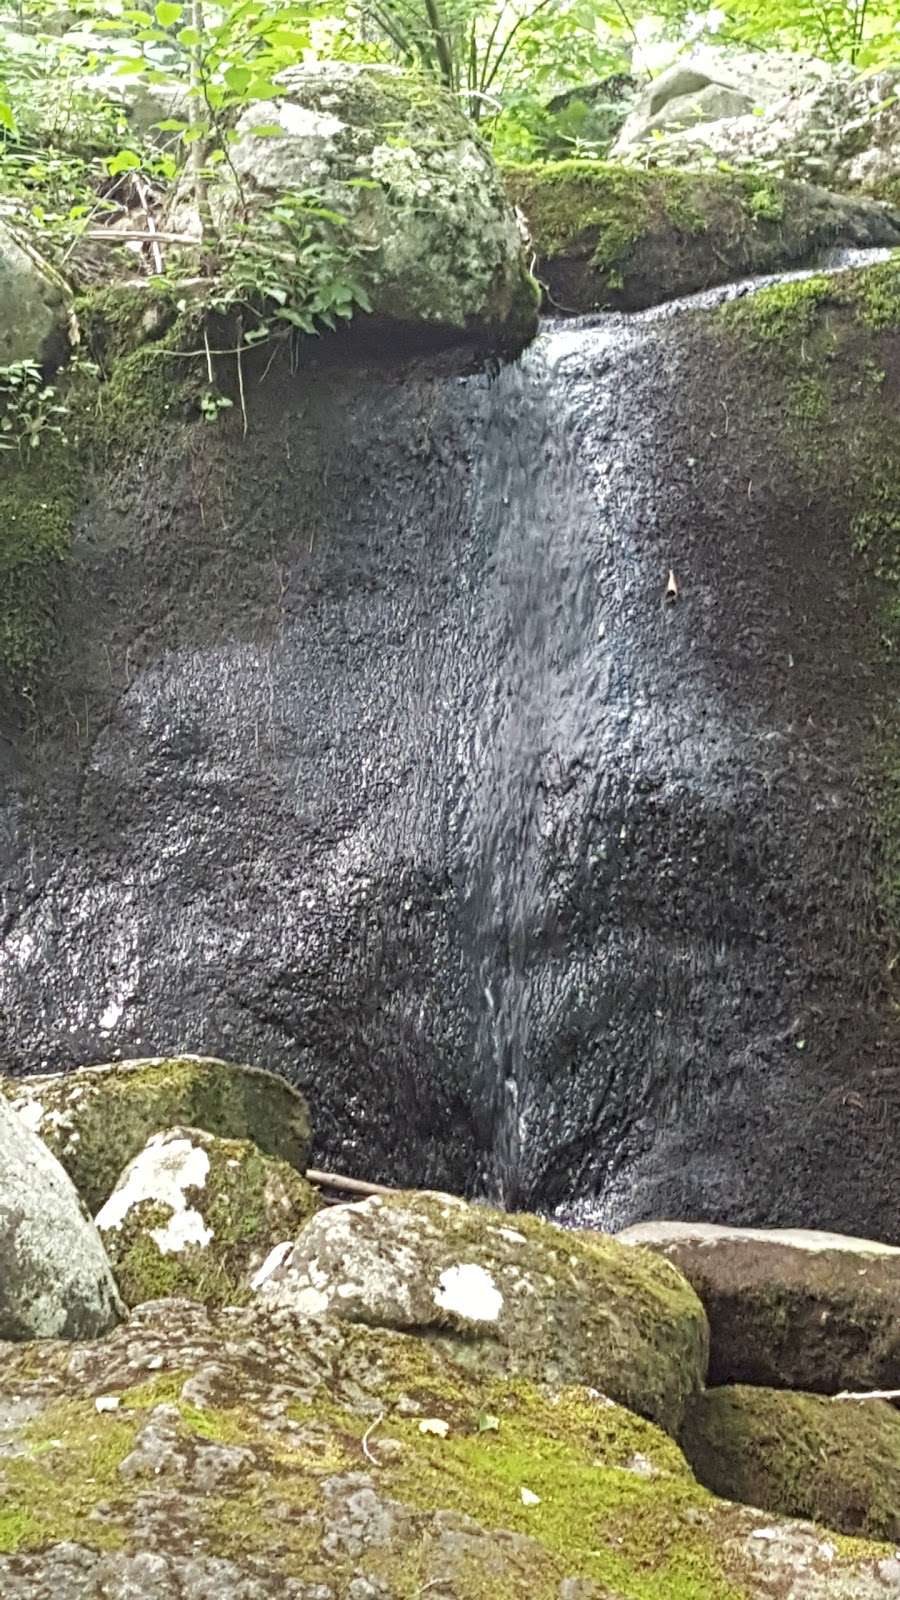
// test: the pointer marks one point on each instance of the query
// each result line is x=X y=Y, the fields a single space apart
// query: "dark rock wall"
x=377 y=752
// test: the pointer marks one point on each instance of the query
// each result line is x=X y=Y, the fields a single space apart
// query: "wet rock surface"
x=245 y=1455
x=797 y=1310
x=407 y=774
x=508 y=1295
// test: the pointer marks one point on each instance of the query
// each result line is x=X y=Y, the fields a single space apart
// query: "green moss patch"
x=97 y=1119
x=832 y=344
x=621 y=237
x=836 y=1462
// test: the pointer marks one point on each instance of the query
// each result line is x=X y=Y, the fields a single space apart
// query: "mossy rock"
x=197 y=1216
x=616 y=237
x=792 y=1309
x=234 y=1452
x=95 y=1120
x=510 y=1295
x=425 y=226
x=800 y=1455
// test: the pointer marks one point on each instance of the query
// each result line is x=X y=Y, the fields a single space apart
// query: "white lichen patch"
x=469 y=1291
x=301 y=122
x=161 y=1175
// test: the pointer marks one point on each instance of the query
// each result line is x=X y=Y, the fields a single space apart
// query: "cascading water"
x=493 y=759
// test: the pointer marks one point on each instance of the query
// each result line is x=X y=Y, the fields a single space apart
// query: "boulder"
x=793 y=1309
x=435 y=240
x=55 y=1280
x=711 y=84
x=249 y=1455
x=805 y=118
x=197 y=1216
x=510 y=1295
x=800 y=1455
x=98 y=1118
x=33 y=304
x=612 y=236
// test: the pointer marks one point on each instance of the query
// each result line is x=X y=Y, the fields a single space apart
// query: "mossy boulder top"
x=252 y=1455
x=98 y=1118
x=794 y=1309
x=55 y=1280
x=512 y=1295
x=424 y=211
x=197 y=1216
x=609 y=236
x=800 y=1455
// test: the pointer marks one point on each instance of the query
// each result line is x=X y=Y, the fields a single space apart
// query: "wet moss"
x=831 y=343
x=38 y=499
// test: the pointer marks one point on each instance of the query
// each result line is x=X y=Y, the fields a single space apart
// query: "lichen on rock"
x=95 y=1120
x=260 y=1456
x=196 y=1215
x=506 y=1295
x=421 y=205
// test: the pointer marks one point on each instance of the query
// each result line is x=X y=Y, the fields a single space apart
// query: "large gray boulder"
x=512 y=1295
x=802 y=117
x=794 y=1309
x=436 y=240
x=55 y=1279
x=240 y=1456
x=33 y=304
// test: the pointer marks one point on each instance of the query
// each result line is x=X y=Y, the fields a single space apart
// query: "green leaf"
x=167 y=13
x=7 y=120
x=189 y=37
x=268 y=130
x=171 y=125
x=128 y=69
x=123 y=161
x=488 y=1423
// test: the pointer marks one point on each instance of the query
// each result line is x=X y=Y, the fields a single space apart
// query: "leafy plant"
x=31 y=408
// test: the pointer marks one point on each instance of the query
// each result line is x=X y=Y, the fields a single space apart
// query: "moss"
x=611 y=206
x=68 y=1469
x=38 y=499
x=783 y=315
x=98 y=1119
x=249 y=1202
x=800 y=1455
x=832 y=342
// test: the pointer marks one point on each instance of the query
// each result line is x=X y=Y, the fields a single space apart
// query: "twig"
x=366 y=1437
x=209 y=366
x=239 y=362
x=871 y=1394
x=333 y=1180
x=155 y=250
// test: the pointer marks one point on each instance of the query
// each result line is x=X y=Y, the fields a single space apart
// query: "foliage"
x=31 y=408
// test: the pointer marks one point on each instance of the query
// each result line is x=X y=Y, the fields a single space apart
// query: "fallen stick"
x=871 y=1394
x=333 y=1180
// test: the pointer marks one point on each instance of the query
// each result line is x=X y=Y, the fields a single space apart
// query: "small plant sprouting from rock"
x=31 y=408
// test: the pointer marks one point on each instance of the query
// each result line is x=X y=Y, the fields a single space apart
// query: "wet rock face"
x=410 y=776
